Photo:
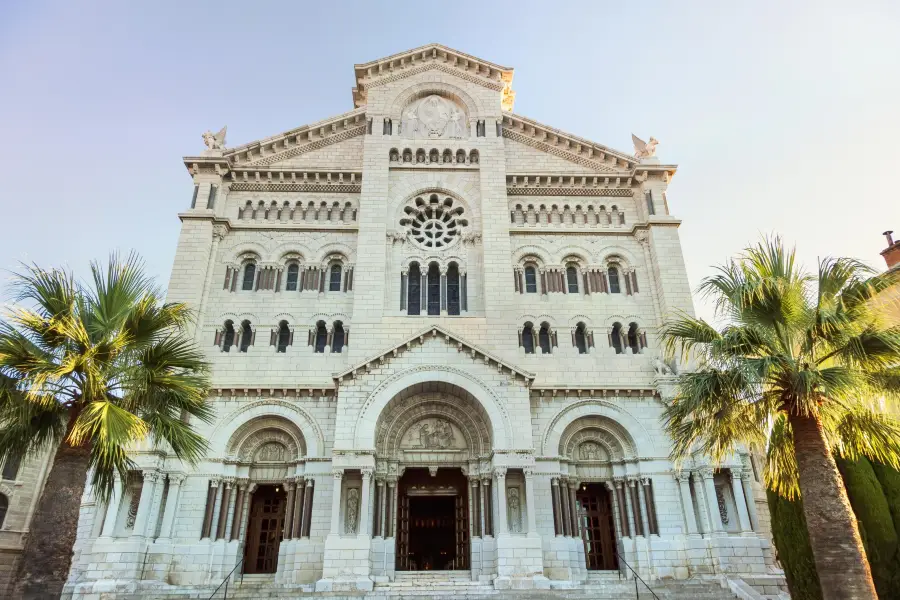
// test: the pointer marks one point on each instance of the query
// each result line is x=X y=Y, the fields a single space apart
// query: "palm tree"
x=90 y=370
x=809 y=359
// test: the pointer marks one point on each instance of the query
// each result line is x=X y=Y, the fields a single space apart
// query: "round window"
x=434 y=223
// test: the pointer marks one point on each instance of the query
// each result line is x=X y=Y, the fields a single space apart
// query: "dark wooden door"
x=264 y=530
x=596 y=521
x=403 y=533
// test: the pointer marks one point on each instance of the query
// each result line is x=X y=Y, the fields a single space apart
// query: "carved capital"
x=706 y=473
x=219 y=232
x=681 y=476
x=529 y=472
x=153 y=476
x=214 y=482
x=500 y=472
x=338 y=474
x=366 y=473
x=176 y=478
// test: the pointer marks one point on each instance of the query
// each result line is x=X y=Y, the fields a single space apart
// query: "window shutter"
x=634 y=281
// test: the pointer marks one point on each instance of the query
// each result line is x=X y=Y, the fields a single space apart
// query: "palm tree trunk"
x=47 y=556
x=833 y=534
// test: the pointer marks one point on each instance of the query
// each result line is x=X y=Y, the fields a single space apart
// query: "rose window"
x=434 y=222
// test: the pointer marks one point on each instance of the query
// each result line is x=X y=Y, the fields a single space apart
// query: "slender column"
x=365 y=508
x=307 y=510
x=712 y=501
x=687 y=504
x=382 y=500
x=643 y=506
x=573 y=508
x=530 y=504
x=175 y=481
x=626 y=489
x=297 y=521
x=566 y=507
x=210 y=507
x=337 y=477
x=557 y=509
x=501 y=525
x=238 y=511
x=749 y=499
x=623 y=509
x=155 y=505
x=112 y=509
x=702 y=506
x=288 y=526
x=486 y=508
x=640 y=525
x=473 y=507
x=143 y=511
x=223 y=510
x=740 y=499
x=392 y=494
x=617 y=522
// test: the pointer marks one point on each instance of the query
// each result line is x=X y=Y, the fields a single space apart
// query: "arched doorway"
x=265 y=529
x=595 y=515
x=436 y=438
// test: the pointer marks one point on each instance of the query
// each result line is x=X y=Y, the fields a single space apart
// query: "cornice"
x=268 y=391
x=269 y=179
x=591 y=391
x=555 y=184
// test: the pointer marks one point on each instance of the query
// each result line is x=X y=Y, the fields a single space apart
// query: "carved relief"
x=514 y=510
x=592 y=451
x=433 y=117
x=723 y=508
x=270 y=452
x=351 y=520
x=430 y=434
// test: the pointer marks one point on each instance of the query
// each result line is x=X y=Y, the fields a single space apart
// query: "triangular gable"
x=419 y=338
x=433 y=56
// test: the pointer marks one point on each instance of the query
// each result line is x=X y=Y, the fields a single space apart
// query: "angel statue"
x=215 y=141
x=660 y=367
x=644 y=149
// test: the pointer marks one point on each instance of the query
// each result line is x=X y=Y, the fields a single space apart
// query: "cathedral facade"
x=433 y=329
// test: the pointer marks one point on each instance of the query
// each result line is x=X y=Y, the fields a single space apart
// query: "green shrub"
x=792 y=544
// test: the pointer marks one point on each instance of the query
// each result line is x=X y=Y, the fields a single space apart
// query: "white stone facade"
x=547 y=261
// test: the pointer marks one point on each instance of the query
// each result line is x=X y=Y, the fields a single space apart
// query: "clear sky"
x=783 y=116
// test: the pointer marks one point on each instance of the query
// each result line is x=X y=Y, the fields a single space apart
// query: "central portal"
x=433 y=521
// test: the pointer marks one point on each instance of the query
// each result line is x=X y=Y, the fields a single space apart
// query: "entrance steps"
x=433 y=585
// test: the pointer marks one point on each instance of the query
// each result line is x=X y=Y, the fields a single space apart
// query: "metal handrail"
x=227 y=577
x=636 y=578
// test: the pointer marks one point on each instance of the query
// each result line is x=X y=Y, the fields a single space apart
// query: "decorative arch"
x=287 y=251
x=335 y=248
x=267 y=439
x=240 y=252
x=622 y=424
x=497 y=416
x=444 y=90
x=522 y=253
x=617 y=254
x=575 y=254
x=301 y=423
x=601 y=431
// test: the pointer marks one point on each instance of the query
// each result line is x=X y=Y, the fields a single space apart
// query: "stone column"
x=175 y=481
x=485 y=508
x=337 y=477
x=621 y=497
x=298 y=509
x=702 y=506
x=223 y=510
x=564 y=508
x=112 y=509
x=143 y=511
x=749 y=499
x=382 y=510
x=712 y=501
x=740 y=500
x=210 y=508
x=632 y=523
x=155 y=505
x=474 y=508
x=365 y=504
x=557 y=508
x=573 y=508
x=644 y=502
x=501 y=527
x=530 y=504
x=617 y=521
x=238 y=511
x=392 y=494
x=687 y=505
x=288 y=526
x=307 y=510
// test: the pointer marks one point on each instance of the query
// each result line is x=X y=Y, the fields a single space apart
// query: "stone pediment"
x=435 y=331
x=433 y=56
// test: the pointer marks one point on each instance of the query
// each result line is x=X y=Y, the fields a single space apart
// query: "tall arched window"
x=434 y=289
x=614 y=287
x=337 y=339
x=528 y=338
x=11 y=467
x=228 y=340
x=321 y=336
x=293 y=272
x=530 y=279
x=284 y=337
x=334 y=278
x=414 y=290
x=249 y=276
x=246 y=336
x=580 y=339
x=616 y=337
x=453 y=289
x=4 y=504
x=544 y=338
x=633 y=339
x=572 y=279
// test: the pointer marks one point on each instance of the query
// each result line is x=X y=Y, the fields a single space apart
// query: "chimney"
x=891 y=254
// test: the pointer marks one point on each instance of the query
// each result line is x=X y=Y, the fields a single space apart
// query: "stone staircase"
x=435 y=585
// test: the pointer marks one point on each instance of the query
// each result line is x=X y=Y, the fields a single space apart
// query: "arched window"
x=414 y=290
x=246 y=336
x=4 y=504
x=528 y=338
x=453 y=289
x=321 y=336
x=11 y=467
x=284 y=337
x=293 y=272
x=530 y=279
x=580 y=339
x=572 y=279
x=544 y=338
x=337 y=340
x=616 y=338
x=249 y=276
x=334 y=278
x=228 y=340
x=434 y=289
x=634 y=341
x=614 y=287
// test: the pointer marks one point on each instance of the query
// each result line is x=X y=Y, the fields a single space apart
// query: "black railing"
x=637 y=592
x=226 y=580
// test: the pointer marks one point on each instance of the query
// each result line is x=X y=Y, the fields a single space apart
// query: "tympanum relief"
x=432 y=434
x=271 y=452
x=592 y=451
x=433 y=117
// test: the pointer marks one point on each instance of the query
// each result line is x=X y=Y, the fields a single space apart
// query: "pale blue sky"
x=783 y=116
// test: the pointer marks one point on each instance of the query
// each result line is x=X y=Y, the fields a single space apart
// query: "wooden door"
x=597 y=533
x=403 y=533
x=264 y=530
x=462 y=532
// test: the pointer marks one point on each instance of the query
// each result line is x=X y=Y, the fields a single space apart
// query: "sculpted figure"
x=644 y=149
x=513 y=510
x=409 y=124
x=660 y=367
x=352 y=514
x=454 y=126
x=215 y=141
